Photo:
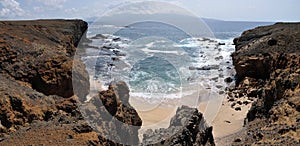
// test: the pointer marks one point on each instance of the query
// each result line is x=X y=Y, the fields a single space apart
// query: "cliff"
x=39 y=54
x=38 y=105
x=267 y=63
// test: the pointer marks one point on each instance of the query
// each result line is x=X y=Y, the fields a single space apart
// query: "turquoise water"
x=157 y=58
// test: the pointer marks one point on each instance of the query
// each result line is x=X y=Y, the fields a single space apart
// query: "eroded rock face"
x=40 y=53
x=29 y=117
x=111 y=118
x=37 y=101
x=186 y=128
x=269 y=59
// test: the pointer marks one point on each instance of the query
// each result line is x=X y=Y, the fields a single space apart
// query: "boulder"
x=187 y=127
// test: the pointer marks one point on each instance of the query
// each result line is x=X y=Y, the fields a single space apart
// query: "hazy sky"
x=244 y=10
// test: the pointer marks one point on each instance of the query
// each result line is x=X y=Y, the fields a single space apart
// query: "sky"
x=230 y=10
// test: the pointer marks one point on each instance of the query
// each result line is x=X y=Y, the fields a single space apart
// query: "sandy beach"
x=225 y=120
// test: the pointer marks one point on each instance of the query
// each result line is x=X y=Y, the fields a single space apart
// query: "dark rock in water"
x=108 y=47
x=99 y=36
x=221 y=75
x=120 y=54
x=209 y=67
x=221 y=43
x=116 y=39
x=105 y=51
x=219 y=58
x=266 y=62
x=219 y=86
x=187 y=127
x=192 y=68
x=228 y=80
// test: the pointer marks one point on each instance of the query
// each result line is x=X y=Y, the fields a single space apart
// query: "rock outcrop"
x=186 y=128
x=39 y=53
x=38 y=104
x=110 y=114
x=267 y=63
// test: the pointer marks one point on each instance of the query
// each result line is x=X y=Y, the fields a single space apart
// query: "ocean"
x=159 y=60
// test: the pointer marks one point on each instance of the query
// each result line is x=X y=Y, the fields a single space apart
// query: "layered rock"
x=39 y=53
x=110 y=114
x=267 y=62
x=186 y=128
x=39 y=76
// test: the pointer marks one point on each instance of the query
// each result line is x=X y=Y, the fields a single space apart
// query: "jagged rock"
x=40 y=54
x=187 y=127
x=111 y=118
x=43 y=87
x=266 y=61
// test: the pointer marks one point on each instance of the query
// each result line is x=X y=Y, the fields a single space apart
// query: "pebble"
x=237 y=140
x=238 y=109
x=246 y=102
x=227 y=121
x=239 y=102
x=221 y=92
x=233 y=104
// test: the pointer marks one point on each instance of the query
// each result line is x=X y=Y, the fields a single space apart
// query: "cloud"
x=11 y=8
x=71 y=10
x=148 y=7
x=53 y=3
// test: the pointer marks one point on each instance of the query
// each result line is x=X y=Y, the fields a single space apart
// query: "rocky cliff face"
x=112 y=117
x=267 y=62
x=37 y=103
x=40 y=53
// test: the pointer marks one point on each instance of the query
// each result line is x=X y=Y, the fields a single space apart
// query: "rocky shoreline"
x=267 y=63
x=39 y=105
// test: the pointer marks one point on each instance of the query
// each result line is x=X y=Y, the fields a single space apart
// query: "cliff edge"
x=38 y=105
x=267 y=63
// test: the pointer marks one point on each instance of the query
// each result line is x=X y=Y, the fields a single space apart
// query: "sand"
x=157 y=113
x=218 y=113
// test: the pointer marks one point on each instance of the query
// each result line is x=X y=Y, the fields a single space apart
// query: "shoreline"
x=226 y=121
